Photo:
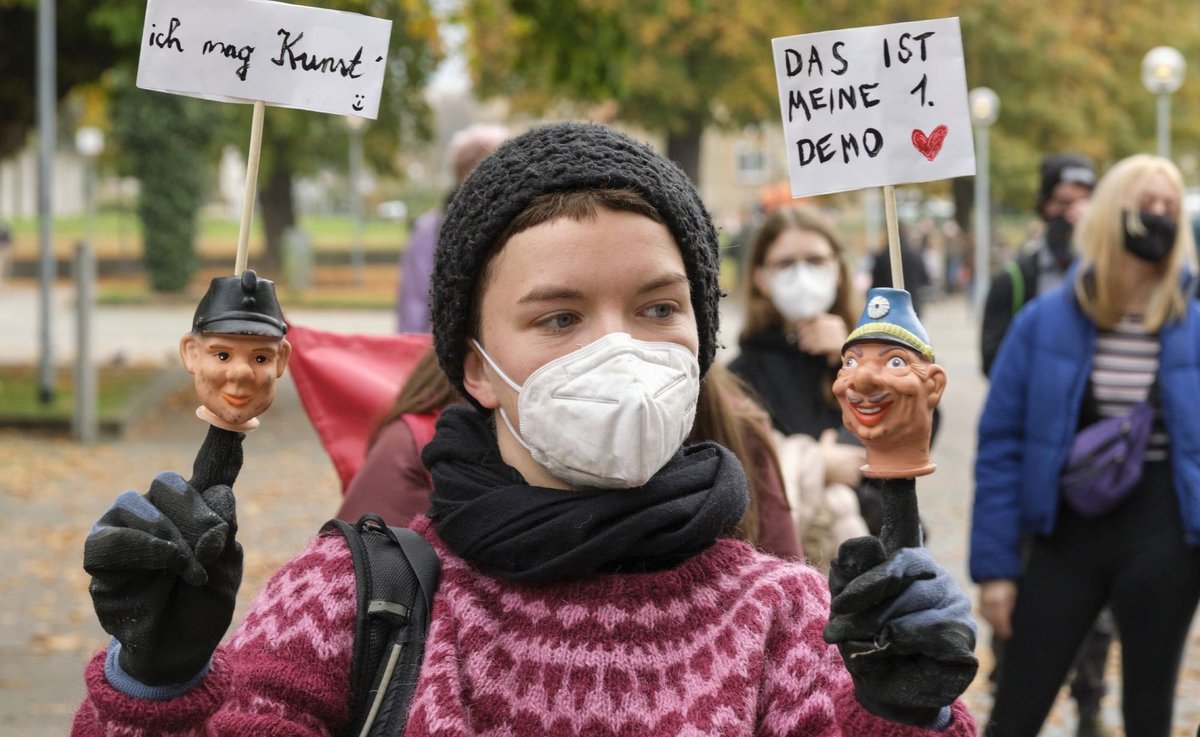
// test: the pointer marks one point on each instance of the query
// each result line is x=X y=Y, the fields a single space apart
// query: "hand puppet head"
x=888 y=386
x=236 y=350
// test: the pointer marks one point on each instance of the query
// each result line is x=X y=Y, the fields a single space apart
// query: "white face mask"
x=802 y=291
x=608 y=415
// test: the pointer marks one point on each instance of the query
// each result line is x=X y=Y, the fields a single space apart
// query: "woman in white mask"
x=588 y=583
x=799 y=308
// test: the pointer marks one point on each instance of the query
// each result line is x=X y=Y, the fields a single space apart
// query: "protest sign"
x=881 y=105
x=258 y=50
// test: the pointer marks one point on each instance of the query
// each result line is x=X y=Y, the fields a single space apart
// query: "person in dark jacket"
x=1091 y=348
x=1067 y=180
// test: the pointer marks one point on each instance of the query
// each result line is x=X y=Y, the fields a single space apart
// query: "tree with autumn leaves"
x=1067 y=73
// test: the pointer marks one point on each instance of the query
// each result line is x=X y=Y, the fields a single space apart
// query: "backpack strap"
x=396 y=574
x=1017 y=276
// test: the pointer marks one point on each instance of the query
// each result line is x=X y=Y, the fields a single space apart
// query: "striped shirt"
x=1123 y=370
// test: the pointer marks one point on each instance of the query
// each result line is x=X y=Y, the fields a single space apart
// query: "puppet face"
x=235 y=374
x=887 y=393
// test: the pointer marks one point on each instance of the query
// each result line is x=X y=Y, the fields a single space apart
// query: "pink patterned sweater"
x=729 y=643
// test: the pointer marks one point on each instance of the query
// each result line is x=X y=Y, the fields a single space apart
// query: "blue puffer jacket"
x=1031 y=417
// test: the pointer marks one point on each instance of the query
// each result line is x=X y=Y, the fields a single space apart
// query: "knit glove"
x=166 y=568
x=904 y=630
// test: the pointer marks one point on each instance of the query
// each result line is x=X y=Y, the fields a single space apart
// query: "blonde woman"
x=1120 y=331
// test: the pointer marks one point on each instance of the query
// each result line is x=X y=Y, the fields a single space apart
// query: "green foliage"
x=674 y=66
x=89 y=54
x=168 y=139
x=1067 y=73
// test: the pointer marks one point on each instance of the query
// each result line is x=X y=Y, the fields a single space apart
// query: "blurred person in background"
x=1066 y=186
x=800 y=306
x=1119 y=331
x=467 y=148
x=1067 y=180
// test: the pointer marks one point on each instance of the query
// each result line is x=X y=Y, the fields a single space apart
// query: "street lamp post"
x=984 y=105
x=89 y=142
x=1162 y=74
x=47 y=124
x=357 y=258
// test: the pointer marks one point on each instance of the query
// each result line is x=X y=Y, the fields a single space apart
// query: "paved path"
x=51 y=490
x=134 y=333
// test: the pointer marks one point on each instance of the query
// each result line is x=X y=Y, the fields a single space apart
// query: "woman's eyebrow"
x=667 y=280
x=550 y=294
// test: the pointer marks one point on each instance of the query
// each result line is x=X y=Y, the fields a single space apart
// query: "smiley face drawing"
x=357 y=105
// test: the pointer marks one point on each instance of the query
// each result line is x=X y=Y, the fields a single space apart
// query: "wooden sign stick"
x=893 y=232
x=252 y=158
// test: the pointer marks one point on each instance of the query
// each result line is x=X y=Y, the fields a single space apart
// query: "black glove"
x=166 y=568
x=904 y=630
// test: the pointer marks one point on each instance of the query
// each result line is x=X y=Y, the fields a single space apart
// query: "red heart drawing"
x=930 y=145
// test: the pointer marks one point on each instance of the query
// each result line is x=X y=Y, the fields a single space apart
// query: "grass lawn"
x=118 y=233
x=116 y=389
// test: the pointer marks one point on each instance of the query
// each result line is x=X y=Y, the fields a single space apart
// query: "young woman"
x=800 y=306
x=1092 y=348
x=586 y=587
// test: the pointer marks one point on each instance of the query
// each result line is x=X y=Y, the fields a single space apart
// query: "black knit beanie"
x=1064 y=167
x=562 y=157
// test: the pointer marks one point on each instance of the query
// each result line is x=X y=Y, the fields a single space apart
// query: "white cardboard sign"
x=872 y=106
x=248 y=50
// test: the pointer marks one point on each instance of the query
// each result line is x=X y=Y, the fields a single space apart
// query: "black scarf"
x=487 y=514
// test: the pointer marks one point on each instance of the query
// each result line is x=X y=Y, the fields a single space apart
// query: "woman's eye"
x=560 y=321
x=896 y=362
x=661 y=311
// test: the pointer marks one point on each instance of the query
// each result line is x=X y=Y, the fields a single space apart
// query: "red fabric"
x=421 y=427
x=347 y=382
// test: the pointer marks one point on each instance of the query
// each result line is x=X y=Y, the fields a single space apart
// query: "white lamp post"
x=89 y=142
x=1162 y=74
x=356 y=126
x=984 y=105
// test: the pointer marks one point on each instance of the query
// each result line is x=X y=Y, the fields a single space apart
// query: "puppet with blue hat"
x=889 y=385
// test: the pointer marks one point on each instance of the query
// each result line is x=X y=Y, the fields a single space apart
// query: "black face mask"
x=1058 y=240
x=1156 y=242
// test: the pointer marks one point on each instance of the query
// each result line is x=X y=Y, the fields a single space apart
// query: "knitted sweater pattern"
x=729 y=643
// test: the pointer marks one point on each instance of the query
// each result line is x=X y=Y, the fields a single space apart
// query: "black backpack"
x=397 y=573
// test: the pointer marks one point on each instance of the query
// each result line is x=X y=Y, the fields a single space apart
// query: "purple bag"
x=1105 y=462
